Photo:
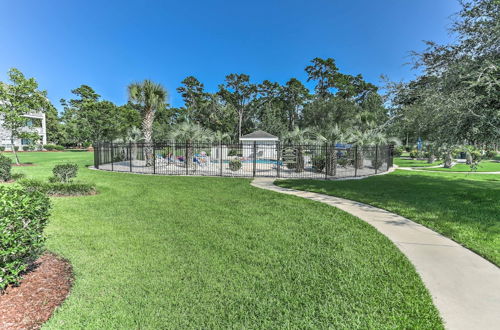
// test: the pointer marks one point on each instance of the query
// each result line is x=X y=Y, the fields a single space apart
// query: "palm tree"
x=150 y=97
x=189 y=133
x=362 y=139
x=299 y=137
x=332 y=137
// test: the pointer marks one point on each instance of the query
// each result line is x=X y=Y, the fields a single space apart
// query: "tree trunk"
x=147 y=131
x=447 y=160
x=14 y=150
x=359 y=158
x=331 y=158
x=299 y=166
x=240 y=121
x=431 y=158
x=189 y=154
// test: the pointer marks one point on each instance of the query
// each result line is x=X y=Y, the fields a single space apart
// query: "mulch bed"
x=42 y=289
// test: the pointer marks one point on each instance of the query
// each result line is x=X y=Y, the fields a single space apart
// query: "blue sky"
x=108 y=44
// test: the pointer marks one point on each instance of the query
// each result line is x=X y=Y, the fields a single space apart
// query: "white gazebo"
x=265 y=145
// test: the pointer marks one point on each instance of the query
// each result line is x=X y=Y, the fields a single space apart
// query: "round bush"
x=319 y=163
x=23 y=217
x=5 y=167
x=234 y=165
x=65 y=172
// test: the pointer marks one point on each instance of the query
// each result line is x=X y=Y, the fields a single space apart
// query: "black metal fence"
x=255 y=159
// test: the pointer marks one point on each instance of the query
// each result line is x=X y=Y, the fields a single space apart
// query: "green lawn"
x=484 y=166
x=464 y=207
x=414 y=162
x=153 y=252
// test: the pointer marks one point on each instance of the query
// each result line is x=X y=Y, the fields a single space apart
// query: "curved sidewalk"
x=464 y=286
x=456 y=172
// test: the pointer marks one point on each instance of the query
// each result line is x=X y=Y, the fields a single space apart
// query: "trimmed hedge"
x=64 y=173
x=58 y=188
x=5 y=168
x=52 y=147
x=23 y=217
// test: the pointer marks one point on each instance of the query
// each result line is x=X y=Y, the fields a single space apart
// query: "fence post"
x=327 y=160
x=376 y=158
x=186 y=159
x=130 y=154
x=96 y=155
x=278 y=157
x=335 y=159
x=355 y=161
x=390 y=156
x=154 y=157
x=254 y=157
x=220 y=157
x=112 y=157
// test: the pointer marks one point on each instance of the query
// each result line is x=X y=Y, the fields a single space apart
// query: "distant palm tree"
x=150 y=97
x=363 y=139
x=188 y=133
x=299 y=137
x=333 y=136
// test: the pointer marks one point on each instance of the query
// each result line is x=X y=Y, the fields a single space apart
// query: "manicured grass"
x=152 y=252
x=484 y=166
x=414 y=162
x=464 y=207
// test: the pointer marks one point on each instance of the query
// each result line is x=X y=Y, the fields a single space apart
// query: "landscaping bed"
x=43 y=287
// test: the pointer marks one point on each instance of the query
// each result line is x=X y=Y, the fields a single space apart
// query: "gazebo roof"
x=259 y=135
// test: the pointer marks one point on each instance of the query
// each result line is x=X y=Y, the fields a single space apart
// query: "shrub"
x=23 y=217
x=16 y=148
x=18 y=176
x=58 y=188
x=319 y=163
x=65 y=172
x=2 y=148
x=343 y=161
x=490 y=154
x=5 y=167
x=26 y=148
x=376 y=164
x=52 y=147
x=86 y=144
x=234 y=165
x=398 y=151
x=235 y=152
x=416 y=154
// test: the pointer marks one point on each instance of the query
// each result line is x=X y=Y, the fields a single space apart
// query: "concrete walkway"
x=457 y=172
x=465 y=287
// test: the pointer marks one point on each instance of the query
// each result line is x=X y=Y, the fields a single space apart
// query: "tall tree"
x=457 y=94
x=295 y=94
x=195 y=99
x=239 y=92
x=17 y=99
x=88 y=119
x=324 y=72
x=149 y=97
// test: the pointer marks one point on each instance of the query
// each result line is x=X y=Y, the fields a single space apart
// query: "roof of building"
x=260 y=135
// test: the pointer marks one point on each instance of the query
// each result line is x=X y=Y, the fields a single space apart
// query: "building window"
x=25 y=142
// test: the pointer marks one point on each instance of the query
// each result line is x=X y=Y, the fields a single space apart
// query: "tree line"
x=454 y=101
